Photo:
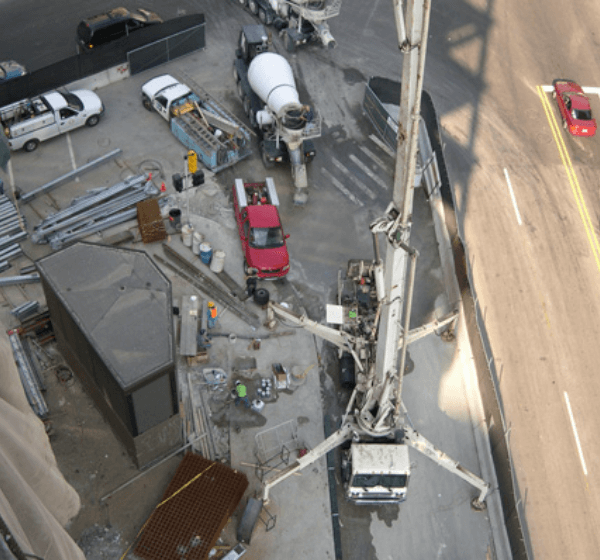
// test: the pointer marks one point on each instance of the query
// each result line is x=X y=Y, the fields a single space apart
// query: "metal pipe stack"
x=97 y=210
x=28 y=376
x=11 y=232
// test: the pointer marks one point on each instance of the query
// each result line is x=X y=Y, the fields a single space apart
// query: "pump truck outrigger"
x=285 y=126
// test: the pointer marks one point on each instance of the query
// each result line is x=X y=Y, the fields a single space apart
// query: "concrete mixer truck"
x=285 y=126
x=298 y=21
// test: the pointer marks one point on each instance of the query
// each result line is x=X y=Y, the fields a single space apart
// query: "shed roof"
x=121 y=301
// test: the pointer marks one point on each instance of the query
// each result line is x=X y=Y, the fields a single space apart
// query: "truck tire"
x=246 y=104
x=240 y=91
x=147 y=103
x=262 y=16
x=288 y=42
x=31 y=145
x=347 y=371
x=253 y=7
x=93 y=120
x=265 y=157
x=261 y=296
x=236 y=76
x=252 y=117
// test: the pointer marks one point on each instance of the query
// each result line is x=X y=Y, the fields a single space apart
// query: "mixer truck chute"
x=285 y=126
x=298 y=21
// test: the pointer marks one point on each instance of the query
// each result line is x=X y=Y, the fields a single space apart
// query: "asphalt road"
x=528 y=203
x=534 y=253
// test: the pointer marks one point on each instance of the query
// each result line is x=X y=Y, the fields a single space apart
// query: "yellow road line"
x=571 y=175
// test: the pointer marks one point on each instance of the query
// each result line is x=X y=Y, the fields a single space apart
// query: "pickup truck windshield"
x=73 y=101
x=266 y=238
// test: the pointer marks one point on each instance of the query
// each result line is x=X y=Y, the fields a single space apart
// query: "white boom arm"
x=335 y=439
x=423 y=445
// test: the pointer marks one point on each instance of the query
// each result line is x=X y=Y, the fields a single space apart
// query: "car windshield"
x=73 y=101
x=266 y=238
x=582 y=115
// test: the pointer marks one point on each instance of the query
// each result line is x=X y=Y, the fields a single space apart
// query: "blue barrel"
x=206 y=252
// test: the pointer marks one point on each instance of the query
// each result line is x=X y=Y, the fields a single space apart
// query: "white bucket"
x=218 y=261
x=196 y=240
x=186 y=235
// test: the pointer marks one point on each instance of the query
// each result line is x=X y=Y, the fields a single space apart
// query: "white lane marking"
x=71 y=152
x=370 y=173
x=353 y=178
x=512 y=196
x=11 y=175
x=341 y=187
x=382 y=145
x=592 y=90
x=375 y=159
x=574 y=428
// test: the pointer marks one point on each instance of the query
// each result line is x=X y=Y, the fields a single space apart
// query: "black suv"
x=117 y=23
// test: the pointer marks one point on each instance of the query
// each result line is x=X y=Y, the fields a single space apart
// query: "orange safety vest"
x=213 y=312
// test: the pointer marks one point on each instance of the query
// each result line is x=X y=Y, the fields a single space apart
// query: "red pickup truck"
x=263 y=241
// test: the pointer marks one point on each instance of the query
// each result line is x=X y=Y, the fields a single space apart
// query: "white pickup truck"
x=31 y=121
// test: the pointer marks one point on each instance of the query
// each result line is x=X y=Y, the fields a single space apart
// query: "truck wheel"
x=253 y=6
x=246 y=104
x=92 y=121
x=31 y=145
x=146 y=103
x=236 y=76
x=246 y=272
x=252 y=117
x=240 y=90
x=265 y=157
x=288 y=42
x=262 y=16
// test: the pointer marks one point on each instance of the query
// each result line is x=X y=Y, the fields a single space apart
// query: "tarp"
x=36 y=502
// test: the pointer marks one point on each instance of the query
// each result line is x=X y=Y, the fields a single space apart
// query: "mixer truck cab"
x=263 y=240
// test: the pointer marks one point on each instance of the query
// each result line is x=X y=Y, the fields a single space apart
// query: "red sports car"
x=574 y=108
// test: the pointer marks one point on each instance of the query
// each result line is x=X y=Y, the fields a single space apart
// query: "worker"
x=212 y=314
x=241 y=394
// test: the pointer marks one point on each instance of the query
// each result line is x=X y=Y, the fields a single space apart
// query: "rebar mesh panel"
x=188 y=525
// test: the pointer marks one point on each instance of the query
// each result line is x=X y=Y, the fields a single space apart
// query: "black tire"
x=92 y=121
x=246 y=105
x=564 y=122
x=262 y=16
x=245 y=267
x=253 y=7
x=347 y=371
x=240 y=90
x=31 y=145
x=236 y=76
x=288 y=42
x=147 y=103
x=252 y=117
x=265 y=159
x=261 y=296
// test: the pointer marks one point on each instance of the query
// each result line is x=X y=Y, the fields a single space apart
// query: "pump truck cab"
x=267 y=89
